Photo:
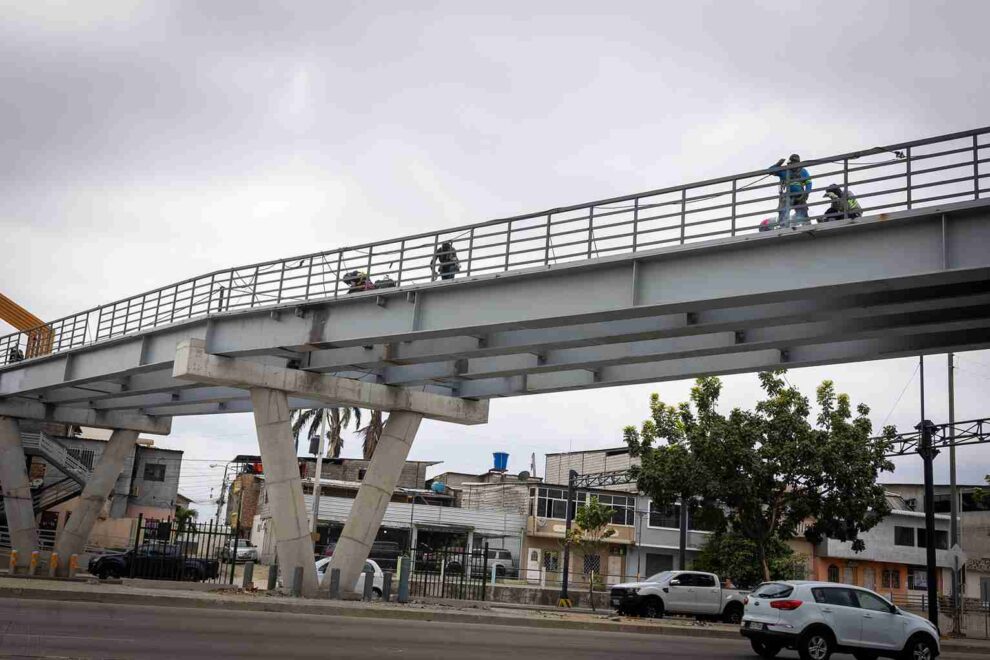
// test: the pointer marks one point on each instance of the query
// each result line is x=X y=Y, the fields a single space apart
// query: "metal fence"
x=173 y=550
x=947 y=168
x=451 y=573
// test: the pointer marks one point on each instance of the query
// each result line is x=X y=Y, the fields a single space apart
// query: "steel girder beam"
x=800 y=356
x=132 y=421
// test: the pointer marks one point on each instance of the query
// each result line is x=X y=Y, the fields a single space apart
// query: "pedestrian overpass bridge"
x=662 y=285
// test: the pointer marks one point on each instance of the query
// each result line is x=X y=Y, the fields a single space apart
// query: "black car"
x=154 y=561
x=385 y=553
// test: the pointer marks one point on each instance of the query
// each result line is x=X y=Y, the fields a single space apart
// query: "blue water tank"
x=501 y=460
x=438 y=487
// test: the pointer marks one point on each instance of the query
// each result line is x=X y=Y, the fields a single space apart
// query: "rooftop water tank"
x=438 y=487
x=501 y=461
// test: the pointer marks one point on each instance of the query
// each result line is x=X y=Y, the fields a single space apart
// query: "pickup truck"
x=678 y=592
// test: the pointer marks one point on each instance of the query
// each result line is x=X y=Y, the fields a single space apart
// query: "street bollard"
x=297 y=580
x=273 y=575
x=248 y=582
x=335 y=583
x=369 y=584
x=13 y=562
x=73 y=565
x=33 y=564
x=53 y=564
x=403 y=594
x=387 y=586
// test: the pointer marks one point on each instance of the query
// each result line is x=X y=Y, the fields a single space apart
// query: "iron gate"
x=180 y=550
x=451 y=573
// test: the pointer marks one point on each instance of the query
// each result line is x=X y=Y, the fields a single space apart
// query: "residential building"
x=893 y=560
x=147 y=486
x=974 y=529
x=591 y=461
x=243 y=496
x=658 y=538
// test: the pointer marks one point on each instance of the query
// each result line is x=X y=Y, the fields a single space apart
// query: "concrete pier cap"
x=193 y=363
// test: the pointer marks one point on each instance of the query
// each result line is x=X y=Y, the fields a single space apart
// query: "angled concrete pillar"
x=294 y=545
x=75 y=534
x=17 y=500
x=374 y=495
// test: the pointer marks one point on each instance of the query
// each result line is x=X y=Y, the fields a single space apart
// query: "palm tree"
x=371 y=433
x=337 y=420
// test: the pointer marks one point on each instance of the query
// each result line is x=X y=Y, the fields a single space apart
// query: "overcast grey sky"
x=146 y=142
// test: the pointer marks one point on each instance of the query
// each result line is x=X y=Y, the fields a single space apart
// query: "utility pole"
x=565 y=600
x=682 y=545
x=223 y=492
x=318 y=479
x=954 y=499
x=928 y=453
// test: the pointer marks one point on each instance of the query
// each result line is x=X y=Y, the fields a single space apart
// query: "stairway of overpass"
x=664 y=284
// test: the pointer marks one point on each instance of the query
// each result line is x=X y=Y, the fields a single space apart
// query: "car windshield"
x=660 y=577
x=773 y=590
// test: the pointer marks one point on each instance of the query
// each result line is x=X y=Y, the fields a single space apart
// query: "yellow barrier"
x=53 y=564
x=13 y=562
x=33 y=565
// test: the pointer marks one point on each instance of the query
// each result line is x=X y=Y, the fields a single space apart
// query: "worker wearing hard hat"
x=795 y=186
x=844 y=204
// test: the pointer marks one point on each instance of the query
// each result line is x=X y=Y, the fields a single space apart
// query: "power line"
x=899 y=396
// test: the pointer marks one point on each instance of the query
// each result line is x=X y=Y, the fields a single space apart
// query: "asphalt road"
x=56 y=629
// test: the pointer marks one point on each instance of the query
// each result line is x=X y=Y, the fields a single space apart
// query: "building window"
x=592 y=563
x=551 y=560
x=551 y=503
x=84 y=456
x=154 y=472
x=361 y=474
x=904 y=536
x=941 y=539
x=917 y=579
x=890 y=579
x=670 y=518
x=833 y=573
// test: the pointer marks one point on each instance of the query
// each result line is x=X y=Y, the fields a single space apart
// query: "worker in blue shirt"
x=795 y=186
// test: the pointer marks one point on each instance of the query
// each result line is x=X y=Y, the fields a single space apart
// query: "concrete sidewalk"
x=449 y=611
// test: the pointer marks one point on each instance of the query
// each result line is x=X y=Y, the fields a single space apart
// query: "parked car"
x=154 y=561
x=377 y=583
x=245 y=551
x=385 y=553
x=820 y=618
x=500 y=560
x=678 y=592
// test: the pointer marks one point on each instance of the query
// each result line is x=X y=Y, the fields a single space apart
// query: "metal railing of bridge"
x=884 y=179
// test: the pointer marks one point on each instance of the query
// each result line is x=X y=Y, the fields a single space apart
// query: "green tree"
x=306 y=423
x=731 y=555
x=591 y=530
x=769 y=468
x=185 y=518
x=372 y=433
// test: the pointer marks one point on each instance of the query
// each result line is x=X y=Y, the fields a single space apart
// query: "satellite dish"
x=523 y=476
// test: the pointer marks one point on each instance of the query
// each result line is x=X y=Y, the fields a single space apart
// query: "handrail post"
x=402 y=260
x=336 y=284
x=281 y=281
x=309 y=278
x=732 y=213
x=371 y=250
x=908 y=178
x=546 y=245
x=591 y=228
x=635 y=240
x=433 y=270
x=254 y=285
x=230 y=286
x=976 y=167
x=845 y=183
x=508 y=244
x=470 y=252
x=683 y=213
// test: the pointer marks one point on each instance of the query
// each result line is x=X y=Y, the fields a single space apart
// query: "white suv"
x=819 y=618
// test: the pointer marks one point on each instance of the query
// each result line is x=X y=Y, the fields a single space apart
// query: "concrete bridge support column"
x=294 y=545
x=17 y=500
x=74 y=536
x=374 y=495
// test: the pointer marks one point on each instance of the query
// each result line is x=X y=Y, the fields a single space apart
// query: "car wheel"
x=733 y=614
x=376 y=593
x=764 y=649
x=815 y=644
x=111 y=572
x=190 y=574
x=500 y=571
x=652 y=608
x=454 y=569
x=919 y=648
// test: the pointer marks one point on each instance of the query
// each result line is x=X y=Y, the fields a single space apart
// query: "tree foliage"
x=769 y=469
x=731 y=555
x=306 y=423
x=591 y=526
